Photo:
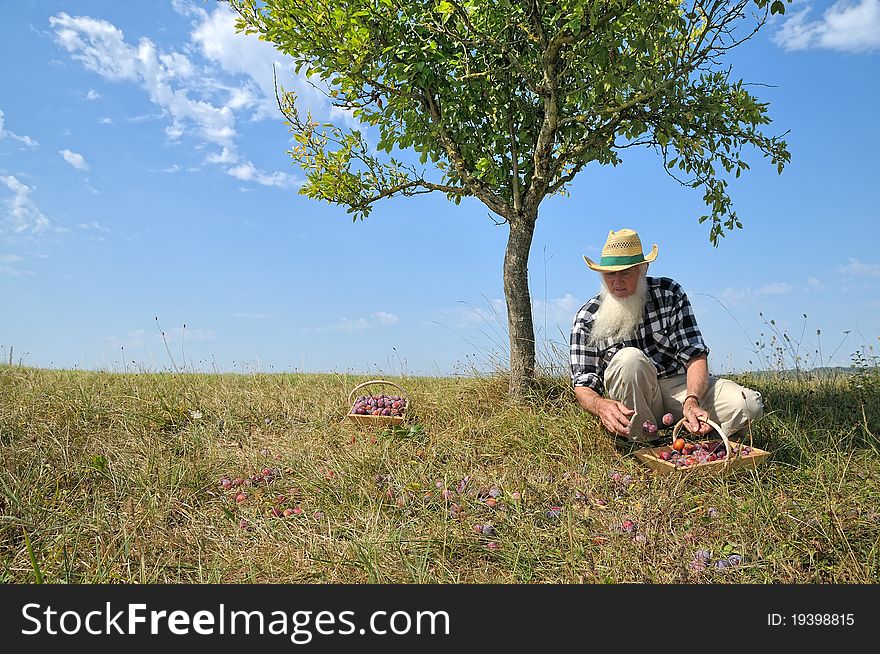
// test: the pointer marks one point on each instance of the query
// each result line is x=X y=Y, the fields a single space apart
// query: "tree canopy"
x=509 y=100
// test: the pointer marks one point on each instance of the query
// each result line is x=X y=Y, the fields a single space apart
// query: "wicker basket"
x=381 y=421
x=735 y=459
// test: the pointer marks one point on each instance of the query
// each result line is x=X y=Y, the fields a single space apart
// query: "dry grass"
x=113 y=478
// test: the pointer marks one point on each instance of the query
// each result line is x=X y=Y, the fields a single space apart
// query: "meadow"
x=118 y=477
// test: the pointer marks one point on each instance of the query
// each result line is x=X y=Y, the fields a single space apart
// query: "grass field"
x=113 y=477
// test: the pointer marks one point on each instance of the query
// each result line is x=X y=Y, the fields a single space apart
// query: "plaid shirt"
x=668 y=335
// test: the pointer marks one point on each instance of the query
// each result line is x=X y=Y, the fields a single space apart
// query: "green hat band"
x=621 y=261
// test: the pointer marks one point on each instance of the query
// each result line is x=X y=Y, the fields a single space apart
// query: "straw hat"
x=622 y=250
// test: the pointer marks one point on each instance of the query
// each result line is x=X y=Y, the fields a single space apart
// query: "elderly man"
x=637 y=352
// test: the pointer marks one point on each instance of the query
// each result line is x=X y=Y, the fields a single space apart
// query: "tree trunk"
x=519 y=305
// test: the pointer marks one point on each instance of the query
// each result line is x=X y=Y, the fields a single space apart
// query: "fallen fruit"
x=678 y=445
x=379 y=405
x=668 y=419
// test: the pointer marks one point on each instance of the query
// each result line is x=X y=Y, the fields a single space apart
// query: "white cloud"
x=814 y=284
x=226 y=156
x=349 y=325
x=556 y=310
x=174 y=84
x=101 y=47
x=5 y=133
x=215 y=36
x=241 y=54
x=775 y=288
x=739 y=295
x=855 y=268
x=9 y=265
x=495 y=315
x=247 y=172
x=74 y=159
x=384 y=318
x=845 y=26
x=93 y=225
x=98 y=45
x=106 y=121
x=93 y=95
x=173 y=168
x=21 y=213
x=142 y=118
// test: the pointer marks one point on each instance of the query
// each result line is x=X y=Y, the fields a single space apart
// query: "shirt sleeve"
x=584 y=358
x=686 y=337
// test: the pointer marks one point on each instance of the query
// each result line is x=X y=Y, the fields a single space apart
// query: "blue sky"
x=143 y=176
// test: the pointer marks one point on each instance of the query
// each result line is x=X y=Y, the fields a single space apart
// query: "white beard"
x=617 y=318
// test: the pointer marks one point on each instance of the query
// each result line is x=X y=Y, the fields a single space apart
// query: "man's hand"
x=697 y=381
x=692 y=414
x=614 y=416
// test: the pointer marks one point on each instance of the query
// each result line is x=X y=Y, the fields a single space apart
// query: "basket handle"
x=381 y=381
x=717 y=428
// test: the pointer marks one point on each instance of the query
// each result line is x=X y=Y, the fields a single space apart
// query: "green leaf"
x=34 y=563
x=99 y=462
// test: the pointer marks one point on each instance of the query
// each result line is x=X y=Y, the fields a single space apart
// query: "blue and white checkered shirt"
x=668 y=335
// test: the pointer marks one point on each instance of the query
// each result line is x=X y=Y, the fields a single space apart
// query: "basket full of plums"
x=380 y=409
x=704 y=456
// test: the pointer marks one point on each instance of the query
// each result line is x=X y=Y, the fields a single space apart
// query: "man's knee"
x=628 y=358
x=754 y=404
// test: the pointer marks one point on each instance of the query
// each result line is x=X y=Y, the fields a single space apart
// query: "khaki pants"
x=631 y=378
